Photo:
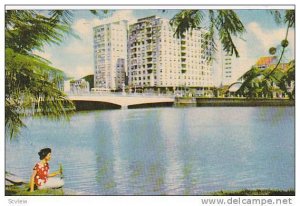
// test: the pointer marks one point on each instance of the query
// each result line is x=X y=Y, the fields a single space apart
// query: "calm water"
x=158 y=151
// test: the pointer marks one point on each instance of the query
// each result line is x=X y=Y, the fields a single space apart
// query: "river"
x=164 y=151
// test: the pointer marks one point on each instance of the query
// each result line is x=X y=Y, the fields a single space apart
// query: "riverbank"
x=231 y=102
x=20 y=190
x=257 y=192
x=23 y=191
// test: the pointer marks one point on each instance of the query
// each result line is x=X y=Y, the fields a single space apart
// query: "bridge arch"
x=84 y=105
x=91 y=102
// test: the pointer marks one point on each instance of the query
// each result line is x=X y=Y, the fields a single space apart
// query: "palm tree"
x=224 y=23
x=31 y=84
x=274 y=79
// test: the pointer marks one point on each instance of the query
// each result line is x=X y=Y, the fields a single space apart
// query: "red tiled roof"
x=266 y=60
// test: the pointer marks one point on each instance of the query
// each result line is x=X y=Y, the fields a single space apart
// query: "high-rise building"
x=110 y=55
x=226 y=69
x=158 y=60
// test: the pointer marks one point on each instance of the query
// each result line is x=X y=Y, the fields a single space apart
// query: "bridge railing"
x=120 y=94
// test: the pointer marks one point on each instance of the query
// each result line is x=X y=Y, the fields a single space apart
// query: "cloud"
x=79 y=47
x=85 y=26
x=244 y=62
x=256 y=43
x=268 y=38
x=79 y=71
x=75 y=57
x=120 y=15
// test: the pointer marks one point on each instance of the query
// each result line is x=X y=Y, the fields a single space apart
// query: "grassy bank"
x=257 y=192
x=22 y=190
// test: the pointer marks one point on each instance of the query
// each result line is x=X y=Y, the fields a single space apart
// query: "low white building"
x=67 y=87
x=79 y=86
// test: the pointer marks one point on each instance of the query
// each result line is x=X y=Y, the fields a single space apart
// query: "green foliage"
x=95 y=12
x=257 y=192
x=287 y=81
x=90 y=80
x=27 y=30
x=64 y=17
x=186 y=20
x=221 y=91
x=250 y=87
x=277 y=16
x=273 y=79
x=258 y=82
x=23 y=190
x=228 y=24
x=272 y=50
x=225 y=23
x=284 y=43
x=31 y=84
x=288 y=17
x=83 y=85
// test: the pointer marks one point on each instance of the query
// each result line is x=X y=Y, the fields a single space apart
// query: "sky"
x=75 y=55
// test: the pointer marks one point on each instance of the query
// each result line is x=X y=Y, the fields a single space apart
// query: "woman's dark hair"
x=44 y=152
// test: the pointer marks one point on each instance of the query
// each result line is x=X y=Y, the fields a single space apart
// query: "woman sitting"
x=40 y=178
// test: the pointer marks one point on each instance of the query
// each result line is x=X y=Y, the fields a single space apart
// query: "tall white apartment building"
x=226 y=69
x=159 y=60
x=110 y=55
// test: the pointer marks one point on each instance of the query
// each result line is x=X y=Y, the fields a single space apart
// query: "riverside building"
x=110 y=55
x=226 y=69
x=159 y=61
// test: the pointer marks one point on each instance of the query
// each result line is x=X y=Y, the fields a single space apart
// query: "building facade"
x=157 y=60
x=110 y=55
x=226 y=69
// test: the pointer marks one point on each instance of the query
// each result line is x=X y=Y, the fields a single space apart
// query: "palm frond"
x=31 y=81
x=209 y=36
x=186 y=20
x=228 y=24
x=29 y=30
x=277 y=16
x=61 y=16
x=289 y=18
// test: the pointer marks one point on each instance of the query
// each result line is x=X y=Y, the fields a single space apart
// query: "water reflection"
x=171 y=127
x=170 y=151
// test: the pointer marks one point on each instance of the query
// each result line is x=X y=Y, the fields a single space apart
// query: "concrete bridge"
x=92 y=102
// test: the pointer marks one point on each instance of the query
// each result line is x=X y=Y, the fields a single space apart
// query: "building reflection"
x=171 y=132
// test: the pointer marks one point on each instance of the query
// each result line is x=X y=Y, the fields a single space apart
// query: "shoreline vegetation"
x=234 y=102
x=22 y=190
x=255 y=192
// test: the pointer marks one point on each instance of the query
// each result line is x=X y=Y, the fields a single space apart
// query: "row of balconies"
x=183 y=69
x=165 y=82
x=136 y=73
x=151 y=59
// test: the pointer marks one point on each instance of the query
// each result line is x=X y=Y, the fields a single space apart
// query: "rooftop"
x=268 y=60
